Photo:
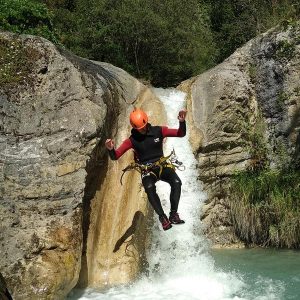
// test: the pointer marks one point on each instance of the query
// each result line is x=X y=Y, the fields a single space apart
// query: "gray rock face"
x=253 y=92
x=56 y=110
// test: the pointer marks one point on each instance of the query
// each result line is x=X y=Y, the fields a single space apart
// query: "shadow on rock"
x=136 y=221
x=4 y=293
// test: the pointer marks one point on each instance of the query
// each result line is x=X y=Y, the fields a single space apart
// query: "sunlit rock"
x=249 y=100
x=63 y=211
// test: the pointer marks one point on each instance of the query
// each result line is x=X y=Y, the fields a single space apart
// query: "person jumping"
x=147 y=142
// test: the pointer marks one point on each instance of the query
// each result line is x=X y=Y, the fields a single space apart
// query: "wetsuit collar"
x=149 y=131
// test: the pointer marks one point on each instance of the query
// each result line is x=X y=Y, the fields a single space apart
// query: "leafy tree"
x=161 y=41
x=26 y=16
x=234 y=22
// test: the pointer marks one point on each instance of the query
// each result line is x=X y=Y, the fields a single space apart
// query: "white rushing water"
x=180 y=266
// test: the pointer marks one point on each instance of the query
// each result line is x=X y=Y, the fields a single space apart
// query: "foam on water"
x=179 y=261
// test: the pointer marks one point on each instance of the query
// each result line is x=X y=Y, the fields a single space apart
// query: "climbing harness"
x=170 y=161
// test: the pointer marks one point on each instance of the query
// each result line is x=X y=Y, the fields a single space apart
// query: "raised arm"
x=181 y=131
x=115 y=154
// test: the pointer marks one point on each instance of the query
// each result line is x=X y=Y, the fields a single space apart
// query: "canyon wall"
x=243 y=108
x=63 y=213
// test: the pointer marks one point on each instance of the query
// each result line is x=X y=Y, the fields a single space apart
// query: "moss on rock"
x=16 y=62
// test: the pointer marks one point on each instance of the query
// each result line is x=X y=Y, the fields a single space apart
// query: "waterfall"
x=179 y=261
x=180 y=265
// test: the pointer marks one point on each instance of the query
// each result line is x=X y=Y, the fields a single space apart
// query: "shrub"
x=265 y=207
x=26 y=16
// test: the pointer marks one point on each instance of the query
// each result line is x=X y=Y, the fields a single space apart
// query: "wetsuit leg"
x=150 y=189
x=169 y=175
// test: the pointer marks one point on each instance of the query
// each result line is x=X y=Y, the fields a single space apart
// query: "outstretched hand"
x=182 y=115
x=109 y=144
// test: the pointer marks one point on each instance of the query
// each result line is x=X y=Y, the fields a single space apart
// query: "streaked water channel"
x=181 y=265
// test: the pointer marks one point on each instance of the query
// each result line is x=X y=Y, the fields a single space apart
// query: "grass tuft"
x=265 y=207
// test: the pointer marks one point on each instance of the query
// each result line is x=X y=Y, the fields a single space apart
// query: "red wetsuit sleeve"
x=117 y=153
x=169 y=132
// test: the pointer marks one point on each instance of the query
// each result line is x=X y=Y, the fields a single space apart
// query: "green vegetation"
x=281 y=100
x=285 y=50
x=270 y=186
x=163 y=42
x=26 y=16
x=297 y=91
x=258 y=144
x=265 y=202
x=235 y=22
x=252 y=72
x=16 y=62
x=265 y=207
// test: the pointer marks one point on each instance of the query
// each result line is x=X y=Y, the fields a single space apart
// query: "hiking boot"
x=166 y=224
x=175 y=219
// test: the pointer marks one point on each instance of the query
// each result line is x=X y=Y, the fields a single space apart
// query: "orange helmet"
x=138 y=119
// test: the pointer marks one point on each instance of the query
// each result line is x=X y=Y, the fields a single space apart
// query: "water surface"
x=280 y=268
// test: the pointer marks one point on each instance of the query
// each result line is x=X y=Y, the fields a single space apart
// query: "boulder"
x=242 y=109
x=60 y=195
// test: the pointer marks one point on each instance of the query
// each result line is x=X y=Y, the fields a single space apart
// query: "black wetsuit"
x=148 y=148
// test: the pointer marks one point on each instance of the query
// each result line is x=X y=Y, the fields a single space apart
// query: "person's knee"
x=177 y=182
x=149 y=187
